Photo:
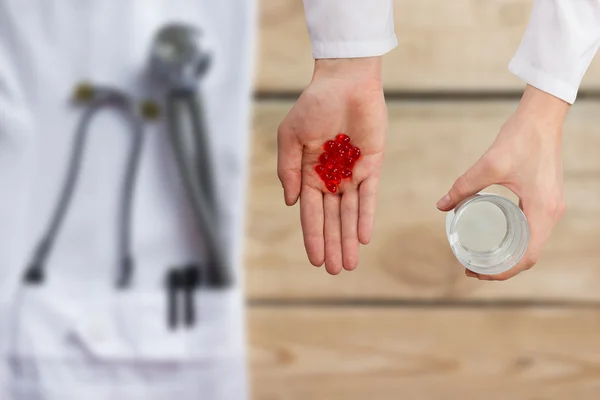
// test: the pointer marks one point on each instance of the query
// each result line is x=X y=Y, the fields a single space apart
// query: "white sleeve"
x=558 y=46
x=350 y=28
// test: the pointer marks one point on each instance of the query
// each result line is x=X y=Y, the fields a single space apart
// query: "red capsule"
x=331 y=164
x=337 y=161
x=330 y=145
x=349 y=162
x=355 y=153
x=323 y=158
x=342 y=138
x=331 y=186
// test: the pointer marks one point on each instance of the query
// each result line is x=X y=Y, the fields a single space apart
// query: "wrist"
x=355 y=70
x=543 y=109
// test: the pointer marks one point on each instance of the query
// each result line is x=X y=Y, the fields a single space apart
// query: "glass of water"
x=488 y=234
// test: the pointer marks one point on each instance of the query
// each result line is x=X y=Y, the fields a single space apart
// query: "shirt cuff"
x=542 y=80
x=353 y=49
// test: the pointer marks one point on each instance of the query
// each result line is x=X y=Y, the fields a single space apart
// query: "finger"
x=470 y=273
x=541 y=217
x=333 y=234
x=349 y=214
x=477 y=178
x=311 y=218
x=367 y=203
x=517 y=269
x=289 y=165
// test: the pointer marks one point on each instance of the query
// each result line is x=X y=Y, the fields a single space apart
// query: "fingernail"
x=444 y=201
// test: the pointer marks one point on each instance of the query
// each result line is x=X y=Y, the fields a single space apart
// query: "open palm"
x=334 y=225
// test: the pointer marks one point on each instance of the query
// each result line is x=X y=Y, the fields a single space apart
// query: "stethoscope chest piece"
x=179 y=57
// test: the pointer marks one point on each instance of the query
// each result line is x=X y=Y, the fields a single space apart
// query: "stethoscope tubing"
x=103 y=98
x=198 y=180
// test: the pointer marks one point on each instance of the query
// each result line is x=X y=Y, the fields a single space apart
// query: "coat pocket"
x=128 y=326
x=134 y=327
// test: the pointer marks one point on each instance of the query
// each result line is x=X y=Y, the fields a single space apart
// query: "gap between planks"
x=423 y=303
x=430 y=95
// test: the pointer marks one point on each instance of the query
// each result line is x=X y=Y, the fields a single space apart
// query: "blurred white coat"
x=77 y=337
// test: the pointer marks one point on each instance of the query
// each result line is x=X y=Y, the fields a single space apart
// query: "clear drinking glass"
x=487 y=233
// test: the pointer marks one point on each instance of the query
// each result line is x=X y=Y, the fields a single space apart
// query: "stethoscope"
x=178 y=60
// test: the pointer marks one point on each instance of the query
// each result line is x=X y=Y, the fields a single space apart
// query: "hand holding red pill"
x=337 y=161
x=321 y=166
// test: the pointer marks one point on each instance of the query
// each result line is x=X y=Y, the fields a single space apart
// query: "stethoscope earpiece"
x=150 y=110
x=83 y=93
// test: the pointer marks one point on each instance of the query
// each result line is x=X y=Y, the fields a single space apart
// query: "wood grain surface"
x=429 y=145
x=407 y=324
x=458 y=45
x=425 y=354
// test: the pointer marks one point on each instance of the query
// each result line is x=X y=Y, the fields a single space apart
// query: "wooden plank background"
x=425 y=354
x=457 y=45
x=429 y=145
x=407 y=324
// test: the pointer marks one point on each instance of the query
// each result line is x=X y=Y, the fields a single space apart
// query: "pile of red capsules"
x=337 y=161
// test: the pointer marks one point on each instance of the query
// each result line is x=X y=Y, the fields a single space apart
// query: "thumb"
x=477 y=178
x=289 y=165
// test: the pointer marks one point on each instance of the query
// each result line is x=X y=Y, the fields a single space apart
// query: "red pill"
x=337 y=161
x=349 y=162
x=323 y=158
x=342 y=138
x=330 y=145
x=355 y=153
x=331 y=186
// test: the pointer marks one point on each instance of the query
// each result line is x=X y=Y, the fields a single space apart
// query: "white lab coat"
x=76 y=337
x=560 y=41
x=559 y=44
